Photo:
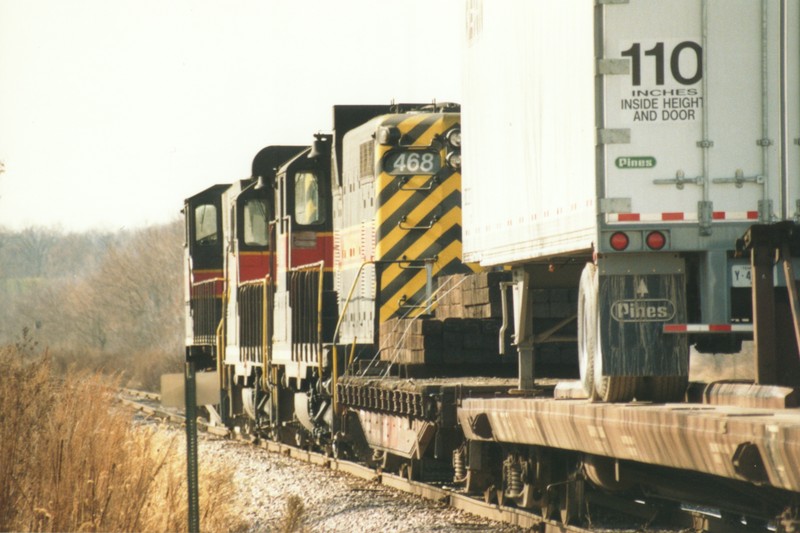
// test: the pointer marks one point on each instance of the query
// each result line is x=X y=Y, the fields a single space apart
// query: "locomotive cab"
x=249 y=213
x=203 y=264
x=304 y=302
x=247 y=218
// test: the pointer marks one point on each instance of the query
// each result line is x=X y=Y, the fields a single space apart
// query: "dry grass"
x=71 y=461
x=138 y=370
x=293 y=516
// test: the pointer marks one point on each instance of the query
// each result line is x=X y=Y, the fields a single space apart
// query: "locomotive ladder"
x=776 y=323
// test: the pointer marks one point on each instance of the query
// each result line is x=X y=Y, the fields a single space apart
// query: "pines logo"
x=643 y=310
x=631 y=162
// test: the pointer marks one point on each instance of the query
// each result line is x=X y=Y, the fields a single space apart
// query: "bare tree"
x=114 y=298
x=34 y=246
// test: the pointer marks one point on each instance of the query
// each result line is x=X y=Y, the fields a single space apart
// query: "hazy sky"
x=113 y=111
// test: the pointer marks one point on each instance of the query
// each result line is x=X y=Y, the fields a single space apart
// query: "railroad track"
x=686 y=520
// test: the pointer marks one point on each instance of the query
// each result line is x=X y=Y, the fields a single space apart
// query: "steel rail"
x=498 y=513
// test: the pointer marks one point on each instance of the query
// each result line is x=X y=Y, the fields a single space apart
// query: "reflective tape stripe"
x=708 y=328
x=680 y=216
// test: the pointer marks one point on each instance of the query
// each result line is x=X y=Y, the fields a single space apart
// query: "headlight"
x=454 y=138
x=388 y=135
x=454 y=160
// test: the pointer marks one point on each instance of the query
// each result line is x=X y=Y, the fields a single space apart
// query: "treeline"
x=104 y=300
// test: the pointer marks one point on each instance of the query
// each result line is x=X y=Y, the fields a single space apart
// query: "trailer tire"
x=588 y=326
x=590 y=358
x=613 y=389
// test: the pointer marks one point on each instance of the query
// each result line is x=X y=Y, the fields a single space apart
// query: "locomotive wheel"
x=587 y=326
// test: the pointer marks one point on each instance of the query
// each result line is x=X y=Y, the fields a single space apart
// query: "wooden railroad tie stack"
x=465 y=330
x=411 y=341
x=471 y=295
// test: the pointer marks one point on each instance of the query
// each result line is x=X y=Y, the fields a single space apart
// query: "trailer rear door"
x=694 y=115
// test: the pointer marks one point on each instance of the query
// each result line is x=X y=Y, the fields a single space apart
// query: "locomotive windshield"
x=255 y=222
x=205 y=224
x=307 y=207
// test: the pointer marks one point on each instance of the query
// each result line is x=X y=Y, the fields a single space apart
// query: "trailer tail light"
x=656 y=240
x=619 y=241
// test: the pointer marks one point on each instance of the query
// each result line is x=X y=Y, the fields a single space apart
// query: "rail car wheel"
x=590 y=357
x=571 y=502
x=587 y=326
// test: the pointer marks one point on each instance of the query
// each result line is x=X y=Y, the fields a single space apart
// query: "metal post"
x=791 y=286
x=191 y=448
x=523 y=317
x=763 y=314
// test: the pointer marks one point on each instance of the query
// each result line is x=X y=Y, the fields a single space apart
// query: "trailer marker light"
x=656 y=240
x=619 y=241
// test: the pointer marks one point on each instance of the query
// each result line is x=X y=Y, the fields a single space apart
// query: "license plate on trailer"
x=741 y=276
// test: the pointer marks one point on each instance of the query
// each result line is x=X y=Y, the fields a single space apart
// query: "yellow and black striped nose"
x=418 y=217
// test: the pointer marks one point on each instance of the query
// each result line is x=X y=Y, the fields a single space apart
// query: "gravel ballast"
x=332 y=501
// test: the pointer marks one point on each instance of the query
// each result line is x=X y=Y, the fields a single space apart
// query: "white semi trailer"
x=622 y=147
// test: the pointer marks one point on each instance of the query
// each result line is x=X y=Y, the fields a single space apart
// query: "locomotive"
x=292 y=273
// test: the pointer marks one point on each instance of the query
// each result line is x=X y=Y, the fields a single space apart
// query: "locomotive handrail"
x=427 y=303
x=202 y=287
x=372 y=361
x=431 y=183
x=264 y=283
x=335 y=370
x=312 y=266
x=265 y=350
x=420 y=227
x=220 y=339
x=206 y=299
x=207 y=281
x=251 y=307
x=430 y=300
x=253 y=282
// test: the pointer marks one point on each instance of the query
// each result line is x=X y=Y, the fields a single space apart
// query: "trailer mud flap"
x=633 y=311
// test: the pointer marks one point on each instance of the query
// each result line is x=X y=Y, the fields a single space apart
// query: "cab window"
x=205 y=224
x=307 y=206
x=255 y=222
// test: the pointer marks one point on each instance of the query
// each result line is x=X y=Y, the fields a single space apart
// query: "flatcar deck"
x=761 y=446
